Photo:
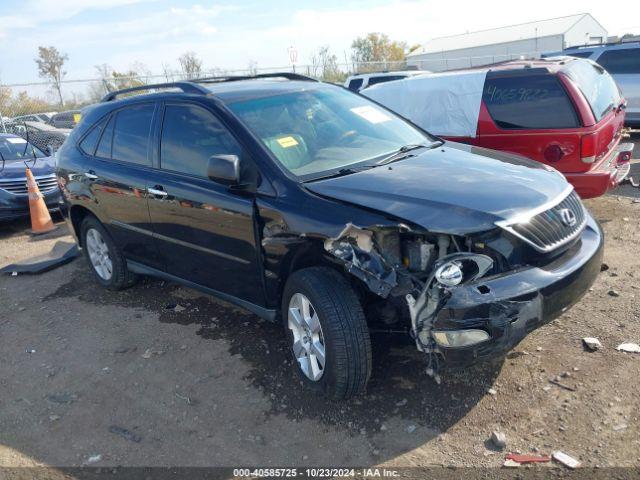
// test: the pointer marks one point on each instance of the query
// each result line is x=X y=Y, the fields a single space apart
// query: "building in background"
x=505 y=43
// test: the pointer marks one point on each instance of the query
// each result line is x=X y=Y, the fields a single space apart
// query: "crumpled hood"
x=17 y=168
x=455 y=188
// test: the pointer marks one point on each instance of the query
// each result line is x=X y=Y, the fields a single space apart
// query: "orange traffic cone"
x=40 y=219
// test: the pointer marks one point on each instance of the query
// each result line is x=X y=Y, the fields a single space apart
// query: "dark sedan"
x=15 y=155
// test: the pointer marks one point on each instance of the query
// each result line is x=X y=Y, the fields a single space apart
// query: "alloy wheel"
x=99 y=254
x=308 y=339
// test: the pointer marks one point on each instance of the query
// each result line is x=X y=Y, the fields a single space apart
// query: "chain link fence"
x=33 y=110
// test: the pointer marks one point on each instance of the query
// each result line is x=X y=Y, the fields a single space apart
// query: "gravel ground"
x=93 y=377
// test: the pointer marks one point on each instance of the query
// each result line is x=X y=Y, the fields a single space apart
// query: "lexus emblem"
x=568 y=217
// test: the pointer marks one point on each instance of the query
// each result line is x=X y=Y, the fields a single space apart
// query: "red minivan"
x=565 y=112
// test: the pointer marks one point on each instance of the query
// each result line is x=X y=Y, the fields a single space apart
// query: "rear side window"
x=131 y=134
x=355 y=84
x=596 y=85
x=190 y=135
x=106 y=140
x=535 y=101
x=386 y=78
x=624 y=60
x=90 y=141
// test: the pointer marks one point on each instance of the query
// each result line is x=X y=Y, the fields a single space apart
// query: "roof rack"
x=235 y=78
x=602 y=44
x=186 y=87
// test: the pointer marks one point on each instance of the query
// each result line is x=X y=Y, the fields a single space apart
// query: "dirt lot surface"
x=163 y=375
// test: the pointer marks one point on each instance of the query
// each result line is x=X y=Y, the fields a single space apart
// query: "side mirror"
x=224 y=169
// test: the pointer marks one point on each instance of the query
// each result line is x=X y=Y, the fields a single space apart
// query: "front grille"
x=551 y=228
x=46 y=183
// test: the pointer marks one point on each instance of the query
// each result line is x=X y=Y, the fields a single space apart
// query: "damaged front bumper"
x=510 y=306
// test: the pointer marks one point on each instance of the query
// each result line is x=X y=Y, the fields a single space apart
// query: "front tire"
x=327 y=331
x=104 y=257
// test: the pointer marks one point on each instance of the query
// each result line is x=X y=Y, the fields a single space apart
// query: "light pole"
x=293 y=57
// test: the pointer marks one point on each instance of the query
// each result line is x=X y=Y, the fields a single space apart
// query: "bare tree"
x=50 y=63
x=141 y=70
x=168 y=72
x=324 y=65
x=190 y=65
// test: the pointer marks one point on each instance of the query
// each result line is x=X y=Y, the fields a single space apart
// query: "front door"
x=203 y=229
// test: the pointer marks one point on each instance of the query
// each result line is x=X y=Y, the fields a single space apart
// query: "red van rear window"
x=528 y=101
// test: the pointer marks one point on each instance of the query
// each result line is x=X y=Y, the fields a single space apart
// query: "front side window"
x=325 y=129
x=596 y=85
x=190 y=136
x=536 y=101
x=621 y=61
x=385 y=78
x=580 y=54
x=131 y=134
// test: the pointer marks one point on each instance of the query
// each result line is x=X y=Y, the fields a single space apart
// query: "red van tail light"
x=553 y=153
x=588 y=148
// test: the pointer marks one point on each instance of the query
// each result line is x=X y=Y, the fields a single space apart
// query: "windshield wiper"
x=342 y=172
x=403 y=151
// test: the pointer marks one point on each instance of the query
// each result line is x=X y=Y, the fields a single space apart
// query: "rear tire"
x=104 y=257
x=342 y=334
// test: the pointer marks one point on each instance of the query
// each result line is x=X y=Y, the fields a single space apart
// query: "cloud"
x=36 y=13
x=229 y=36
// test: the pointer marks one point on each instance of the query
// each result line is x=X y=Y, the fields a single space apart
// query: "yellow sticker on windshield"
x=76 y=117
x=286 y=142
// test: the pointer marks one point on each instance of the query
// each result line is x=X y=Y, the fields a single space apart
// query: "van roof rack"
x=602 y=44
x=186 y=87
x=235 y=78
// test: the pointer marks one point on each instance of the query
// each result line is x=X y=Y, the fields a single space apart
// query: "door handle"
x=156 y=192
x=90 y=175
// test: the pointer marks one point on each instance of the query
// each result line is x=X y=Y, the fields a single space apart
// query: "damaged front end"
x=419 y=267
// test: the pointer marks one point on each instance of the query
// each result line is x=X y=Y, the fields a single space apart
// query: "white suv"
x=361 y=81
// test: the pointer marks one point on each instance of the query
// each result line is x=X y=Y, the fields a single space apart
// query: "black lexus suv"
x=311 y=205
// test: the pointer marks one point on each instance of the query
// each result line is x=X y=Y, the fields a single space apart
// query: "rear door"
x=204 y=229
x=117 y=171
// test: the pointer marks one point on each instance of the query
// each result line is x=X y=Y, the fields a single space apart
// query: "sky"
x=232 y=34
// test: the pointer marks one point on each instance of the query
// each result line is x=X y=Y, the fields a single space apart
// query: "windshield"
x=596 y=85
x=13 y=148
x=315 y=132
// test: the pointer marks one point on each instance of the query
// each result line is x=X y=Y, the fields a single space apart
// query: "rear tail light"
x=588 y=148
x=553 y=153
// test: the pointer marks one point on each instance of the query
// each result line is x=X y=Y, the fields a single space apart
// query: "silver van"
x=622 y=61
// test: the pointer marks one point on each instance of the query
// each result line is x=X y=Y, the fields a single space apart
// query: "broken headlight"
x=450 y=274
x=461 y=267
